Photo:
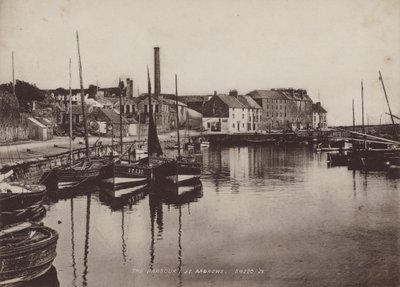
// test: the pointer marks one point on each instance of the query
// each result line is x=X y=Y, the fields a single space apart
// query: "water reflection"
x=246 y=163
x=86 y=248
x=297 y=218
x=73 y=243
x=50 y=279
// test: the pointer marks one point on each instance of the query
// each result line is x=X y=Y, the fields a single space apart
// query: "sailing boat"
x=85 y=171
x=182 y=172
x=128 y=177
x=120 y=178
x=204 y=144
x=19 y=201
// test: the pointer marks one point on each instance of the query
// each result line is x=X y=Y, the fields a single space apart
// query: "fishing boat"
x=27 y=251
x=85 y=171
x=338 y=159
x=182 y=171
x=127 y=177
x=20 y=202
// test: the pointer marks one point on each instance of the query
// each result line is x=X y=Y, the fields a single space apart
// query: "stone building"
x=319 y=116
x=231 y=113
x=284 y=109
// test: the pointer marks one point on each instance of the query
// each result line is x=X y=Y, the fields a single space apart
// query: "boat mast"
x=82 y=98
x=362 y=106
x=70 y=116
x=13 y=78
x=390 y=111
x=121 y=88
x=362 y=110
x=354 y=119
x=177 y=116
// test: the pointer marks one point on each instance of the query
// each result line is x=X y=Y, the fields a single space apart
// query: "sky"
x=324 y=46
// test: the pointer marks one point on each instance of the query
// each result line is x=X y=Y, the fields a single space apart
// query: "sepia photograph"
x=199 y=143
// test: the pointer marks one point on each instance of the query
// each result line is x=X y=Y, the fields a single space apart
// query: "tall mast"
x=82 y=98
x=390 y=111
x=120 y=111
x=354 y=119
x=177 y=116
x=362 y=106
x=70 y=116
x=153 y=144
x=13 y=79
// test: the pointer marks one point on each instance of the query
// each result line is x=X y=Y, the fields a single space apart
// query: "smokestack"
x=157 y=80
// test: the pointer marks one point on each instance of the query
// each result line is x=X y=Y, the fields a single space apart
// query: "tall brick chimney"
x=157 y=80
x=129 y=88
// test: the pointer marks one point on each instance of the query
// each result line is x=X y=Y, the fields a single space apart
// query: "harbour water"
x=265 y=216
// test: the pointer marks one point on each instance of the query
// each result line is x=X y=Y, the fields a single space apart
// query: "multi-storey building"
x=231 y=113
x=319 y=116
x=284 y=109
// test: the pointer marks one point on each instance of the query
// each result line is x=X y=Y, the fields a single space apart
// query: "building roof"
x=36 y=122
x=317 y=108
x=173 y=103
x=77 y=109
x=195 y=98
x=267 y=94
x=249 y=102
x=113 y=115
x=231 y=101
x=281 y=94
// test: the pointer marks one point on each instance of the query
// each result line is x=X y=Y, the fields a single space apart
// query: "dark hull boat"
x=338 y=159
x=120 y=178
x=180 y=175
x=27 y=251
x=19 y=202
x=78 y=175
x=378 y=160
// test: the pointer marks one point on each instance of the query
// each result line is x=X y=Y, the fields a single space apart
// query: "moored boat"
x=27 y=251
x=20 y=202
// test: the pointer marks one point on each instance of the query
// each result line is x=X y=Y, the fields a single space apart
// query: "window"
x=242 y=109
x=145 y=108
x=233 y=115
x=208 y=125
x=156 y=108
x=242 y=125
x=242 y=116
x=233 y=125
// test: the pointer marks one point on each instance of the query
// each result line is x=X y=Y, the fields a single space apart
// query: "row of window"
x=276 y=114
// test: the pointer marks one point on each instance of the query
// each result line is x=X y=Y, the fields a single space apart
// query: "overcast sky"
x=323 y=46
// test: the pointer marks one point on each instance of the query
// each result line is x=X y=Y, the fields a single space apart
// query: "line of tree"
x=25 y=92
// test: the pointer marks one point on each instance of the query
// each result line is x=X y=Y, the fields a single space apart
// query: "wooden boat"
x=257 y=140
x=27 y=251
x=204 y=144
x=377 y=159
x=75 y=175
x=180 y=171
x=20 y=202
x=124 y=175
x=338 y=159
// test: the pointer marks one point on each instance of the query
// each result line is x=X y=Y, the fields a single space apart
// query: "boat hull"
x=16 y=207
x=119 y=175
x=24 y=262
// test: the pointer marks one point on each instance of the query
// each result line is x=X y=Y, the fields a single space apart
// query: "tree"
x=92 y=91
x=25 y=93
x=8 y=105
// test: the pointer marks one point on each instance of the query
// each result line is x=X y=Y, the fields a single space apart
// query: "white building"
x=231 y=114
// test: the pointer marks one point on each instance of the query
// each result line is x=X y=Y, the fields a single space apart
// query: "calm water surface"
x=276 y=212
